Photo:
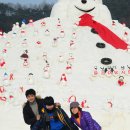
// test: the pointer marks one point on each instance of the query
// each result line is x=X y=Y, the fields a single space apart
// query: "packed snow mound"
x=73 y=9
x=58 y=58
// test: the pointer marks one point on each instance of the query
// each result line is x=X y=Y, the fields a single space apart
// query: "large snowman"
x=72 y=9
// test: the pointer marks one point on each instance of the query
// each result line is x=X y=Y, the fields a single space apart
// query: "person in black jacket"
x=55 y=117
x=32 y=110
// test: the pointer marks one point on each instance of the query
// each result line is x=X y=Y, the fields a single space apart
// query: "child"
x=57 y=118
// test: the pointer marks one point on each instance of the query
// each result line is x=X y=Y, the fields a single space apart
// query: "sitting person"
x=55 y=117
x=82 y=119
x=32 y=110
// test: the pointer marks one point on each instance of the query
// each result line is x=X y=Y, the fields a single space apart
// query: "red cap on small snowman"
x=39 y=42
x=4 y=51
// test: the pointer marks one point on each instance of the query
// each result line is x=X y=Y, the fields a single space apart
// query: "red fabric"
x=2 y=64
x=105 y=33
x=11 y=77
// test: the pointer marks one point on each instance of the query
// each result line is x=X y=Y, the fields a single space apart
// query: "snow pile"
x=58 y=58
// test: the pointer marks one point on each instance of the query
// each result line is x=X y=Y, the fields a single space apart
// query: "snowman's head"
x=76 y=8
x=73 y=9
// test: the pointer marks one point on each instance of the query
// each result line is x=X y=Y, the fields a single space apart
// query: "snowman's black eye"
x=84 y=1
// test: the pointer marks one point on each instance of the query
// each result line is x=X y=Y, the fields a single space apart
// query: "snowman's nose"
x=84 y=1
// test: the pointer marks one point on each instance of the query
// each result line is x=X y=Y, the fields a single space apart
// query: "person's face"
x=74 y=110
x=31 y=98
x=50 y=107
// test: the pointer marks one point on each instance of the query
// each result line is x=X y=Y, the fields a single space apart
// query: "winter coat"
x=28 y=115
x=59 y=114
x=86 y=122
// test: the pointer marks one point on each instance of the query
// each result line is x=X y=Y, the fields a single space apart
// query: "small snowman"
x=14 y=31
x=25 y=57
x=55 y=42
x=6 y=80
x=8 y=44
x=102 y=72
x=17 y=26
x=3 y=99
x=61 y=58
x=121 y=81
x=45 y=58
x=47 y=32
x=125 y=37
x=30 y=78
x=75 y=26
x=43 y=24
x=62 y=34
x=109 y=72
x=31 y=23
x=11 y=77
x=74 y=36
x=13 y=28
x=23 y=32
x=47 y=71
x=63 y=80
x=84 y=104
x=72 y=45
x=124 y=26
x=115 y=71
x=59 y=26
x=4 y=53
x=95 y=72
x=23 y=26
x=71 y=58
x=114 y=25
x=39 y=43
x=24 y=43
x=69 y=68
x=4 y=35
x=1 y=33
x=2 y=62
x=2 y=89
x=123 y=71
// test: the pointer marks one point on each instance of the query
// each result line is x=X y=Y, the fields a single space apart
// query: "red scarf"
x=105 y=33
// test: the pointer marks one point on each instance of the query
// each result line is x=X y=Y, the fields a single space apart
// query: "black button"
x=100 y=45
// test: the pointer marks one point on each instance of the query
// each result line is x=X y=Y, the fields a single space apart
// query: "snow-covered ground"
x=105 y=99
